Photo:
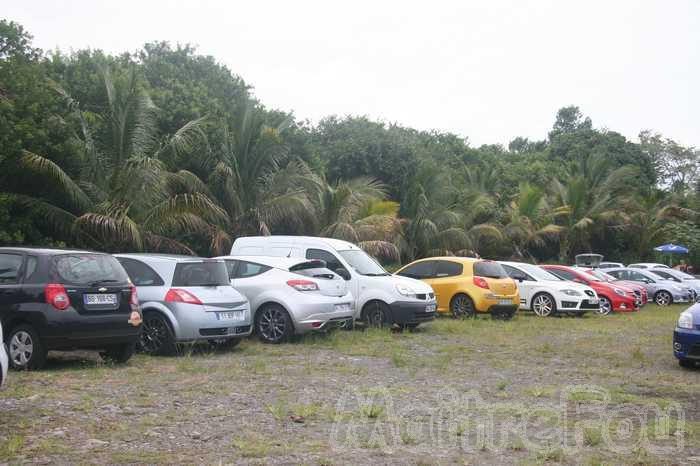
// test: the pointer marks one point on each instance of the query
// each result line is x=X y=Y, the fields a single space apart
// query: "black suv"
x=52 y=299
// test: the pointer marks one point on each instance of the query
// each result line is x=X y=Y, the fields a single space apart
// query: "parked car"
x=648 y=265
x=4 y=362
x=639 y=290
x=290 y=296
x=613 y=297
x=186 y=299
x=686 y=337
x=546 y=294
x=663 y=292
x=610 y=265
x=52 y=299
x=380 y=297
x=466 y=286
x=681 y=278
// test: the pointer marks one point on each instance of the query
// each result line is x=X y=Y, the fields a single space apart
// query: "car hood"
x=566 y=285
x=417 y=285
x=695 y=311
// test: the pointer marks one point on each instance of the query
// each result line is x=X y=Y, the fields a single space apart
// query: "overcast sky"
x=488 y=70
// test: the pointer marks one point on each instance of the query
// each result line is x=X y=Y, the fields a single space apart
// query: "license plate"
x=593 y=300
x=233 y=315
x=345 y=307
x=505 y=302
x=430 y=308
x=100 y=299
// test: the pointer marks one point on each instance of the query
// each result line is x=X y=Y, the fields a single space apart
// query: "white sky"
x=489 y=70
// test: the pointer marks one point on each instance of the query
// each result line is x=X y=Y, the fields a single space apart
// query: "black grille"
x=586 y=304
x=420 y=296
x=568 y=304
x=694 y=350
x=243 y=329
x=210 y=332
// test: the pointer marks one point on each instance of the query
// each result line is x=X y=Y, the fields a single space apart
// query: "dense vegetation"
x=165 y=149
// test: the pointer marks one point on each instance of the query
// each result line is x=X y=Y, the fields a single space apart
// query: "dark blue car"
x=686 y=337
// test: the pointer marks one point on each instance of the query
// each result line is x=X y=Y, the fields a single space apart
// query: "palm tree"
x=529 y=221
x=590 y=200
x=258 y=190
x=357 y=211
x=122 y=196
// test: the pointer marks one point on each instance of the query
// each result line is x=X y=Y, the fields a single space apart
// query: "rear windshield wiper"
x=101 y=282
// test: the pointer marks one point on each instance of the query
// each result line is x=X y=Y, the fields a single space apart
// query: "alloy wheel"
x=663 y=298
x=272 y=324
x=462 y=307
x=604 y=307
x=21 y=348
x=154 y=334
x=543 y=305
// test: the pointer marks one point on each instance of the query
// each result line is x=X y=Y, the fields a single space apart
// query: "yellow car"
x=465 y=286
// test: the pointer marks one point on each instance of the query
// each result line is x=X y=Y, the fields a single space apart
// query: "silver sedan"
x=662 y=291
x=186 y=299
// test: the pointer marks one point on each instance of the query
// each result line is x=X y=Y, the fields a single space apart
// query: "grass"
x=263 y=403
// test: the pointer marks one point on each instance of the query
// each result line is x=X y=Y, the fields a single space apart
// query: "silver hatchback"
x=186 y=299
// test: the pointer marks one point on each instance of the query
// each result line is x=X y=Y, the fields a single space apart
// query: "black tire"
x=686 y=363
x=543 y=305
x=376 y=314
x=462 y=307
x=604 y=306
x=25 y=349
x=663 y=298
x=119 y=354
x=156 y=337
x=273 y=324
x=227 y=343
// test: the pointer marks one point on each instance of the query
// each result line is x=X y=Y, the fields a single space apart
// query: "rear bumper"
x=488 y=301
x=686 y=344
x=69 y=330
x=196 y=322
x=323 y=321
x=412 y=312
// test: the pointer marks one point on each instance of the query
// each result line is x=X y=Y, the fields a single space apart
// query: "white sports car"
x=546 y=294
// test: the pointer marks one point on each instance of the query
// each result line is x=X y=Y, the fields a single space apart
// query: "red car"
x=639 y=291
x=613 y=297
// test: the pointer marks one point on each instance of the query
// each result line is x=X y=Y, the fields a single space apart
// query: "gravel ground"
x=529 y=391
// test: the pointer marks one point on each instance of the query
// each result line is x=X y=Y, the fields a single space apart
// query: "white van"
x=380 y=298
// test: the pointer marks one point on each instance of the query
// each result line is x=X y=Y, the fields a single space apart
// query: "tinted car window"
x=9 y=268
x=32 y=263
x=140 y=273
x=231 y=268
x=331 y=261
x=489 y=270
x=86 y=269
x=448 y=269
x=206 y=273
x=420 y=270
x=638 y=277
x=250 y=269
x=515 y=273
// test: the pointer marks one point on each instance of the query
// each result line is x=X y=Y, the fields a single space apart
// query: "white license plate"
x=100 y=299
x=593 y=300
x=505 y=302
x=345 y=307
x=430 y=308
x=233 y=315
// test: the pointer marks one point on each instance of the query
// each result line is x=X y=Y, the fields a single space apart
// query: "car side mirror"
x=520 y=279
x=341 y=271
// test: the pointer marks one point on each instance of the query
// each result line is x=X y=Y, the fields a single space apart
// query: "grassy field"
x=455 y=392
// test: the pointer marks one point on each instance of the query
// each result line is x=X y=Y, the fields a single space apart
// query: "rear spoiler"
x=311 y=264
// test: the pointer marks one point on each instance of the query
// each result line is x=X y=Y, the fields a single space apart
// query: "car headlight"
x=685 y=320
x=619 y=292
x=571 y=292
x=405 y=290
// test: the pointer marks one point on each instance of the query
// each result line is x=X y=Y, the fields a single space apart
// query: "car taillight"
x=481 y=282
x=303 y=285
x=56 y=296
x=176 y=295
x=134 y=301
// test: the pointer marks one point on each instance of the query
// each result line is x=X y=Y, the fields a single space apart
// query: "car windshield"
x=87 y=269
x=538 y=273
x=363 y=263
x=205 y=273
x=601 y=276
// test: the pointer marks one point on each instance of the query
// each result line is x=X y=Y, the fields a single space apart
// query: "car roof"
x=47 y=251
x=162 y=257
x=270 y=261
x=463 y=260
x=337 y=244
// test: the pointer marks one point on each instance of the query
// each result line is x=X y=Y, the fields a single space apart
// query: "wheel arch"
x=267 y=302
x=148 y=308
x=363 y=313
